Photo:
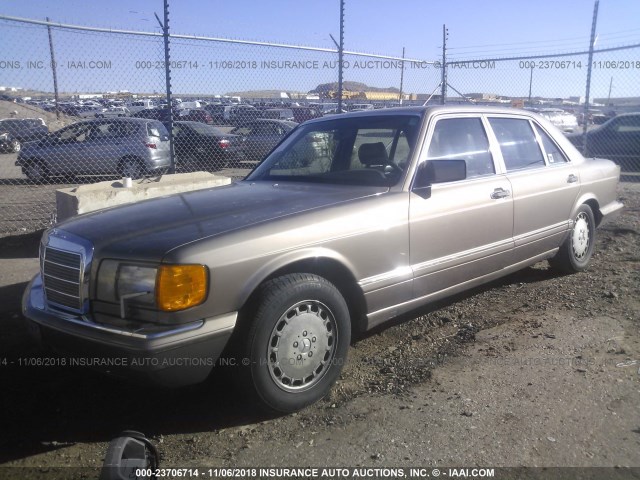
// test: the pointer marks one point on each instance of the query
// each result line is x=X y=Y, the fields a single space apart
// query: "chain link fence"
x=232 y=101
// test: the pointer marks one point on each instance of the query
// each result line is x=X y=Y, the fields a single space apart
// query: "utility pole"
x=610 y=87
x=53 y=69
x=340 y=55
x=167 y=71
x=445 y=34
x=592 y=42
x=530 y=84
x=401 y=76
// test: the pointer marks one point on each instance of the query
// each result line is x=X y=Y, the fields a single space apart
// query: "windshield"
x=372 y=151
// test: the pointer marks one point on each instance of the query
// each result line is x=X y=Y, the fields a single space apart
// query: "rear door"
x=463 y=230
x=99 y=148
x=544 y=184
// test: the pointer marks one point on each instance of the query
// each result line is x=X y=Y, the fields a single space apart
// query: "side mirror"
x=128 y=454
x=438 y=171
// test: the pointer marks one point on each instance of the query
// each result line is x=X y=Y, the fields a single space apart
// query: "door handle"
x=572 y=178
x=500 y=193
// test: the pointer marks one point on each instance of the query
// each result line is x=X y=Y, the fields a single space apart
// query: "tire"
x=131 y=167
x=15 y=145
x=36 y=172
x=576 y=251
x=297 y=342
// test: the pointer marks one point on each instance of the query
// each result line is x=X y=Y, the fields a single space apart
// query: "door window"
x=463 y=139
x=518 y=144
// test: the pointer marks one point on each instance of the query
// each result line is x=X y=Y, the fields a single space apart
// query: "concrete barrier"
x=88 y=198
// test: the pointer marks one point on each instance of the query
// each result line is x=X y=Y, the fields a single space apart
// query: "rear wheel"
x=297 y=342
x=131 y=167
x=36 y=171
x=576 y=252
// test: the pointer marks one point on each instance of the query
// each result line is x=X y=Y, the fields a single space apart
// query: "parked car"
x=113 y=112
x=357 y=107
x=239 y=115
x=16 y=131
x=617 y=139
x=128 y=147
x=139 y=105
x=324 y=107
x=195 y=115
x=405 y=207
x=278 y=114
x=86 y=111
x=260 y=136
x=203 y=147
x=565 y=121
x=302 y=114
x=217 y=111
x=160 y=114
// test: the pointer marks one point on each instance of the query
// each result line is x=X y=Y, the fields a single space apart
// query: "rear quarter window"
x=551 y=150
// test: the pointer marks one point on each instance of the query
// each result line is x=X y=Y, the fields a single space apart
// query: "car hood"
x=151 y=228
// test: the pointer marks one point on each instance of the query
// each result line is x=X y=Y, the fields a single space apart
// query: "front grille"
x=62 y=278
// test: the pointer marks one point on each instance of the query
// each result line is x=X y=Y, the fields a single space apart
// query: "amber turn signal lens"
x=180 y=286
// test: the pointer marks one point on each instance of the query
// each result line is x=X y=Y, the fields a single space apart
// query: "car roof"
x=120 y=119
x=270 y=120
x=190 y=123
x=430 y=110
x=628 y=114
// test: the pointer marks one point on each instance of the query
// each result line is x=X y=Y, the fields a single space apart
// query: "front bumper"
x=177 y=356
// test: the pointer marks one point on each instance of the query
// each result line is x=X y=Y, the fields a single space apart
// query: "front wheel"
x=36 y=172
x=576 y=252
x=297 y=342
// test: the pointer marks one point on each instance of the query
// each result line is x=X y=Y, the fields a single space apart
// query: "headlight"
x=168 y=288
x=136 y=280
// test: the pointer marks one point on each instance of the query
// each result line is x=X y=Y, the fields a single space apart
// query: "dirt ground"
x=536 y=369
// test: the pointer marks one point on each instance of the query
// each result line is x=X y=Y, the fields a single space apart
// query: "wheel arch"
x=322 y=262
x=592 y=201
x=129 y=156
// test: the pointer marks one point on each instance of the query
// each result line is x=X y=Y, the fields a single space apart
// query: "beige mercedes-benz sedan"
x=350 y=221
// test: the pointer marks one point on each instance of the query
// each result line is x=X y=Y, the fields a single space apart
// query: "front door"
x=463 y=230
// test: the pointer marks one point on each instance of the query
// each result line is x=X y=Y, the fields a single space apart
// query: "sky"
x=476 y=29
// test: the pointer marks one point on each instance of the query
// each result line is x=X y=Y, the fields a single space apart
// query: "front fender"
x=289 y=258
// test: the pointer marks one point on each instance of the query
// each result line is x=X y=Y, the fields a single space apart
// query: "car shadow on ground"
x=46 y=405
x=20 y=246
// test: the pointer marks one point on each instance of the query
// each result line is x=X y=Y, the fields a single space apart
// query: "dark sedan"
x=16 y=131
x=202 y=147
x=617 y=139
x=160 y=114
x=195 y=115
x=260 y=136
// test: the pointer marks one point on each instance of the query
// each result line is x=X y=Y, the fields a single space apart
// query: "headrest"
x=373 y=154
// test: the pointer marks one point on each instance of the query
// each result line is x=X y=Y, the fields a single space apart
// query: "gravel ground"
x=536 y=369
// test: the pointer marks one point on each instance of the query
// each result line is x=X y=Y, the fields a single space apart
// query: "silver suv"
x=131 y=147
